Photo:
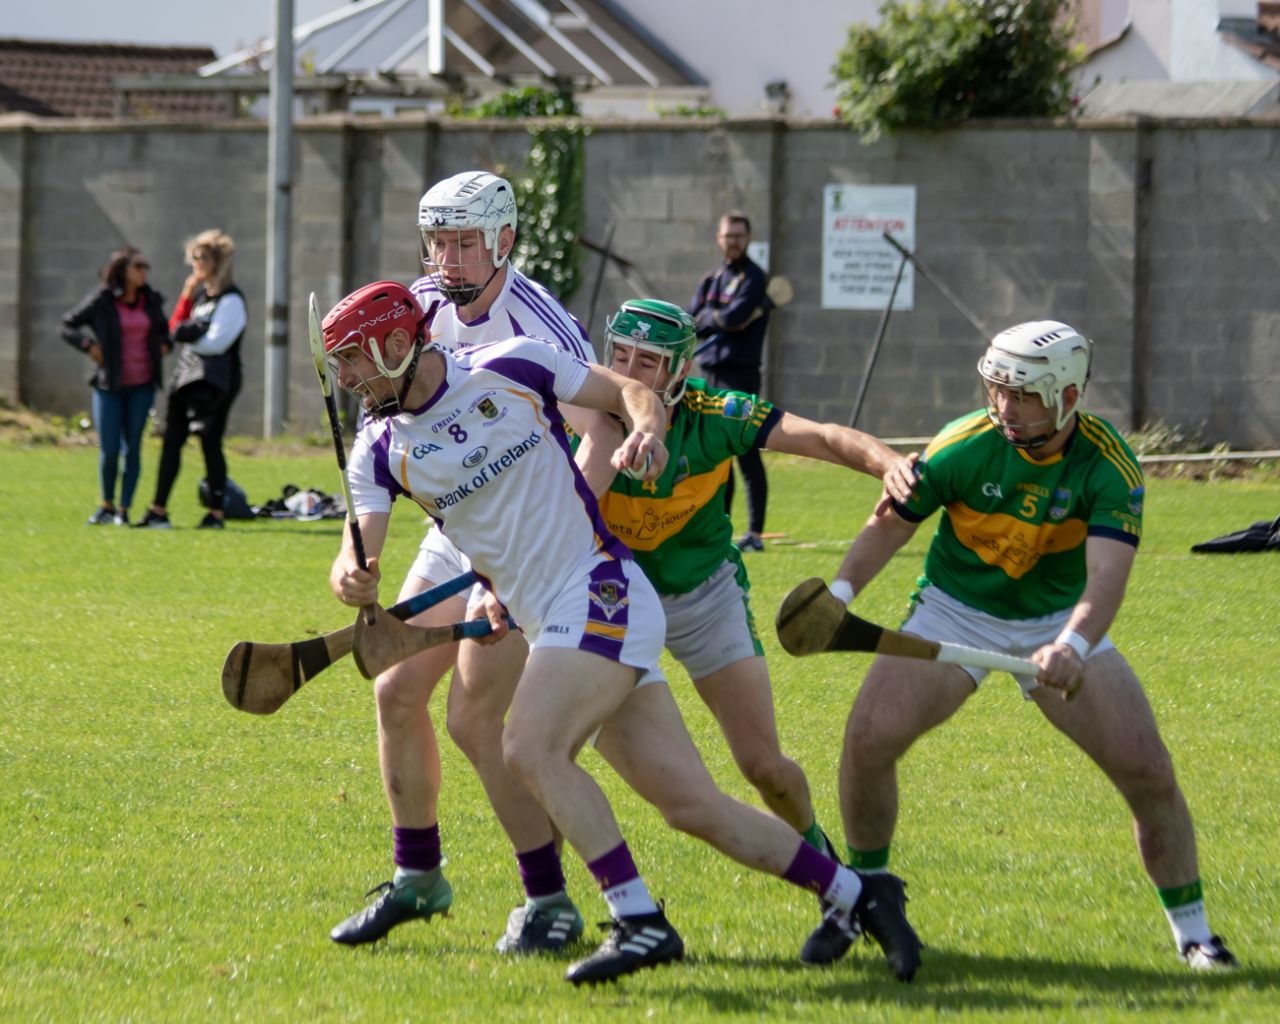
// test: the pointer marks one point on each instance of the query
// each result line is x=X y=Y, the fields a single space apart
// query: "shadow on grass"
x=327 y=528
x=957 y=982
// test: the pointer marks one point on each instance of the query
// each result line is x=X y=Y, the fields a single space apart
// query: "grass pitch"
x=166 y=858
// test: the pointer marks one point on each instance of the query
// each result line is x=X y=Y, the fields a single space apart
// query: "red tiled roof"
x=1269 y=16
x=55 y=79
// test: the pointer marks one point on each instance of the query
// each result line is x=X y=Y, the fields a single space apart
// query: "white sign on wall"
x=758 y=253
x=858 y=265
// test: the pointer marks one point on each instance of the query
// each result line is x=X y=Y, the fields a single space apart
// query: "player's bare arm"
x=877 y=542
x=1109 y=563
x=600 y=434
x=844 y=446
x=640 y=409
x=349 y=583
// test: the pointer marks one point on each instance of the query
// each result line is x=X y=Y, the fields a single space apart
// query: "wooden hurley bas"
x=813 y=621
x=259 y=678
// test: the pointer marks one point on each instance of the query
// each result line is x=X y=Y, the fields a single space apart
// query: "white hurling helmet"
x=470 y=201
x=1042 y=357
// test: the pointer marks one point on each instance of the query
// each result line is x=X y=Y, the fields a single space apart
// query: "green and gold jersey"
x=676 y=526
x=1012 y=540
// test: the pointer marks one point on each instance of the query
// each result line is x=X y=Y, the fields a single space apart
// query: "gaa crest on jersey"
x=1061 y=502
x=487 y=409
x=682 y=469
x=607 y=596
x=738 y=407
x=1135 y=500
x=421 y=451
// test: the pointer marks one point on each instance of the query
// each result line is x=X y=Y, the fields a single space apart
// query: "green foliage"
x=549 y=189
x=685 y=110
x=934 y=63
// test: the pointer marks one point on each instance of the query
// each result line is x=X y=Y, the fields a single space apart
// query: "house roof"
x=594 y=43
x=1258 y=37
x=56 y=79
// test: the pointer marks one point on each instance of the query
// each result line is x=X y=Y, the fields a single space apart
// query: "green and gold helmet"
x=654 y=326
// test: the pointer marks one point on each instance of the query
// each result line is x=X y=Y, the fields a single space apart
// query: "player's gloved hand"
x=358 y=587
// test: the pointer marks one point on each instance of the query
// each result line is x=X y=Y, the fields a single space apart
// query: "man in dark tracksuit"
x=731 y=313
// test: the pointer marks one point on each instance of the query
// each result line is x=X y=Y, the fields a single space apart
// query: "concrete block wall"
x=13 y=156
x=89 y=190
x=1213 y=353
x=1158 y=239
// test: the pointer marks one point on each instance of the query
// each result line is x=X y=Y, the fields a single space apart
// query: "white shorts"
x=611 y=610
x=939 y=616
x=438 y=558
x=712 y=625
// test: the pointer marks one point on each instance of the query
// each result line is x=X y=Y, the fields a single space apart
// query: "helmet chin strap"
x=394 y=405
x=464 y=294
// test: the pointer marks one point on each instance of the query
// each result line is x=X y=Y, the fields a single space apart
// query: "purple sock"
x=615 y=868
x=811 y=870
x=540 y=871
x=417 y=849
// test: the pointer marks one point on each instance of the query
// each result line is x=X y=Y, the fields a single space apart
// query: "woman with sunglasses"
x=129 y=334
x=208 y=322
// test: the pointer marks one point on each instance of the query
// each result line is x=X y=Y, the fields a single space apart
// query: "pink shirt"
x=135 y=360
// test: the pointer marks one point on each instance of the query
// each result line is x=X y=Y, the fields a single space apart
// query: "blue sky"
x=226 y=25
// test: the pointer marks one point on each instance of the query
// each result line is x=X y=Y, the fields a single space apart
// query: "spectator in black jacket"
x=731 y=313
x=125 y=316
x=208 y=322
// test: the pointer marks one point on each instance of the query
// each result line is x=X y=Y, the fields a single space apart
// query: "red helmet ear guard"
x=370 y=313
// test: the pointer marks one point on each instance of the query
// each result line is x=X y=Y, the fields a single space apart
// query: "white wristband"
x=842 y=591
x=1076 y=642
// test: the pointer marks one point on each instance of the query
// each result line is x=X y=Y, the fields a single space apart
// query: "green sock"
x=869 y=862
x=815 y=837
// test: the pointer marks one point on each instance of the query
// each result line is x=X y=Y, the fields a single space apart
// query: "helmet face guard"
x=1042 y=358
x=461 y=221
x=362 y=322
x=663 y=328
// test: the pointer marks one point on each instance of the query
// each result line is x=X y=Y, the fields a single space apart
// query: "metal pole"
x=595 y=290
x=875 y=347
x=947 y=293
x=275 y=390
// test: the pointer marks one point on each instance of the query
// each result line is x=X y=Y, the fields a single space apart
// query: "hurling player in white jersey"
x=478 y=441
x=474 y=296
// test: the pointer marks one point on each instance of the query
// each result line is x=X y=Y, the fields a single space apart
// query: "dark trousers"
x=197 y=406
x=749 y=464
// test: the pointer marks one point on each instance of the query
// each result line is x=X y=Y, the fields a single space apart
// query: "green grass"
x=165 y=858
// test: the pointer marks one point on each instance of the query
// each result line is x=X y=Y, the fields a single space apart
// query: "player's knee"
x=688 y=815
x=1148 y=774
x=767 y=771
x=473 y=728
x=872 y=742
x=691 y=809
x=525 y=759
x=399 y=704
